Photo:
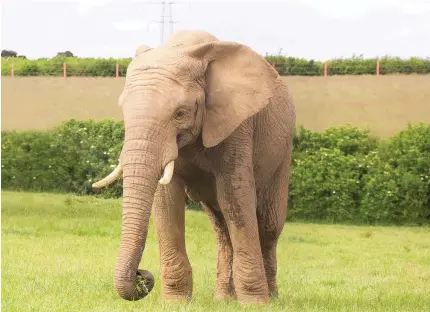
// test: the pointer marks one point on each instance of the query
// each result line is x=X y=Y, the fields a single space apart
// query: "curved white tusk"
x=168 y=173
x=114 y=175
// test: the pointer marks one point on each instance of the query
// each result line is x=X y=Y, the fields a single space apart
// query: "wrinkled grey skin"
x=226 y=119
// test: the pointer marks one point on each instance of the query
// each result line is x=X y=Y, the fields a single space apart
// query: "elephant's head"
x=193 y=87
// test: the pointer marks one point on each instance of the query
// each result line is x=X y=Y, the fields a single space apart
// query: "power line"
x=163 y=7
x=162 y=17
x=171 y=21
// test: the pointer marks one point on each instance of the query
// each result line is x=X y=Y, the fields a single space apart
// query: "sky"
x=311 y=29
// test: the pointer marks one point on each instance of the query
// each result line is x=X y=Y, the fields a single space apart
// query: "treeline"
x=340 y=175
x=290 y=66
x=92 y=67
x=286 y=66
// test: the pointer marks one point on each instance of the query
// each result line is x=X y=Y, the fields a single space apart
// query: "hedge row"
x=284 y=65
x=290 y=66
x=340 y=175
x=93 y=67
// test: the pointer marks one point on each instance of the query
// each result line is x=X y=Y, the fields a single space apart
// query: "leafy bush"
x=393 y=196
x=399 y=183
x=32 y=161
x=286 y=66
x=69 y=158
x=91 y=150
x=352 y=66
x=291 y=66
x=325 y=186
x=327 y=173
x=388 y=65
x=392 y=178
x=339 y=175
x=348 y=139
x=410 y=150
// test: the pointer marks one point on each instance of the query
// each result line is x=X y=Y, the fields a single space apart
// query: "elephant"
x=211 y=120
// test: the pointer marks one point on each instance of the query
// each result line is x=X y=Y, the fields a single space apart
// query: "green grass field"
x=58 y=254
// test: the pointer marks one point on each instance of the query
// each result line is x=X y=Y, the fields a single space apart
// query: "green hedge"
x=290 y=66
x=340 y=175
x=67 y=159
x=286 y=66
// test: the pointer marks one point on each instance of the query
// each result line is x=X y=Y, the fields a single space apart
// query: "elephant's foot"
x=177 y=287
x=253 y=300
x=273 y=290
x=177 y=298
x=252 y=290
x=225 y=293
x=178 y=294
x=225 y=297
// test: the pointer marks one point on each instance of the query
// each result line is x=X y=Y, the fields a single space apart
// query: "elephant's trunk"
x=139 y=185
x=143 y=160
x=145 y=154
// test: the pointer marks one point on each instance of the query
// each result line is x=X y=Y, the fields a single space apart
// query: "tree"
x=65 y=54
x=8 y=53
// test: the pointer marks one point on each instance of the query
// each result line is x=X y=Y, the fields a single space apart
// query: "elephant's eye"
x=180 y=114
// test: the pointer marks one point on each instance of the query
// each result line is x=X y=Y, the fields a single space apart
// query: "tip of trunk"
x=137 y=289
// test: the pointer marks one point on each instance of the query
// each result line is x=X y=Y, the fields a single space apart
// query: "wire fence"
x=285 y=70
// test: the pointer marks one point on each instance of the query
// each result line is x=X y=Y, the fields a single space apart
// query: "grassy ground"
x=58 y=254
x=384 y=104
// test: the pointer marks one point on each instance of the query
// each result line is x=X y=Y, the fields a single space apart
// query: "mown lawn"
x=58 y=254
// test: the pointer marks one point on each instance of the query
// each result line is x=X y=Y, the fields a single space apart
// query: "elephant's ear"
x=239 y=83
x=142 y=49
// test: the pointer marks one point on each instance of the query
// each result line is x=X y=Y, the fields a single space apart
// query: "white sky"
x=317 y=29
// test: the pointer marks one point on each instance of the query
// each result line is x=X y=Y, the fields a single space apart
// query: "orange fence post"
x=12 y=70
x=116 y=70
x=64 y=70
x=377 y=67
x=325 y=69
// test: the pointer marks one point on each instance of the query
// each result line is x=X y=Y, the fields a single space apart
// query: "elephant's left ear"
x=239 y=83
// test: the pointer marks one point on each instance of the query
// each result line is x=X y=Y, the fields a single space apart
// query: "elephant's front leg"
x=224 y=282
x=169 y=219
x=237 y=199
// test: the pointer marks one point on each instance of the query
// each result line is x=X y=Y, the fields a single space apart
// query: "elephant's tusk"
x=114 y=175
x=168 y=173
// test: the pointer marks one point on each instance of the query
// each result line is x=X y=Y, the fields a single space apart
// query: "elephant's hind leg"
x=271 y=211
x=224 y=284
x=169 y=219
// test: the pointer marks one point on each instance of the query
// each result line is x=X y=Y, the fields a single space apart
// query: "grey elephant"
x=212 y=120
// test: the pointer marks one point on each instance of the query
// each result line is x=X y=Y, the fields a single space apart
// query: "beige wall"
x=385 y=104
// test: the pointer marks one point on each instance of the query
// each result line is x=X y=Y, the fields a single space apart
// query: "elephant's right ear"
x=142 y=49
